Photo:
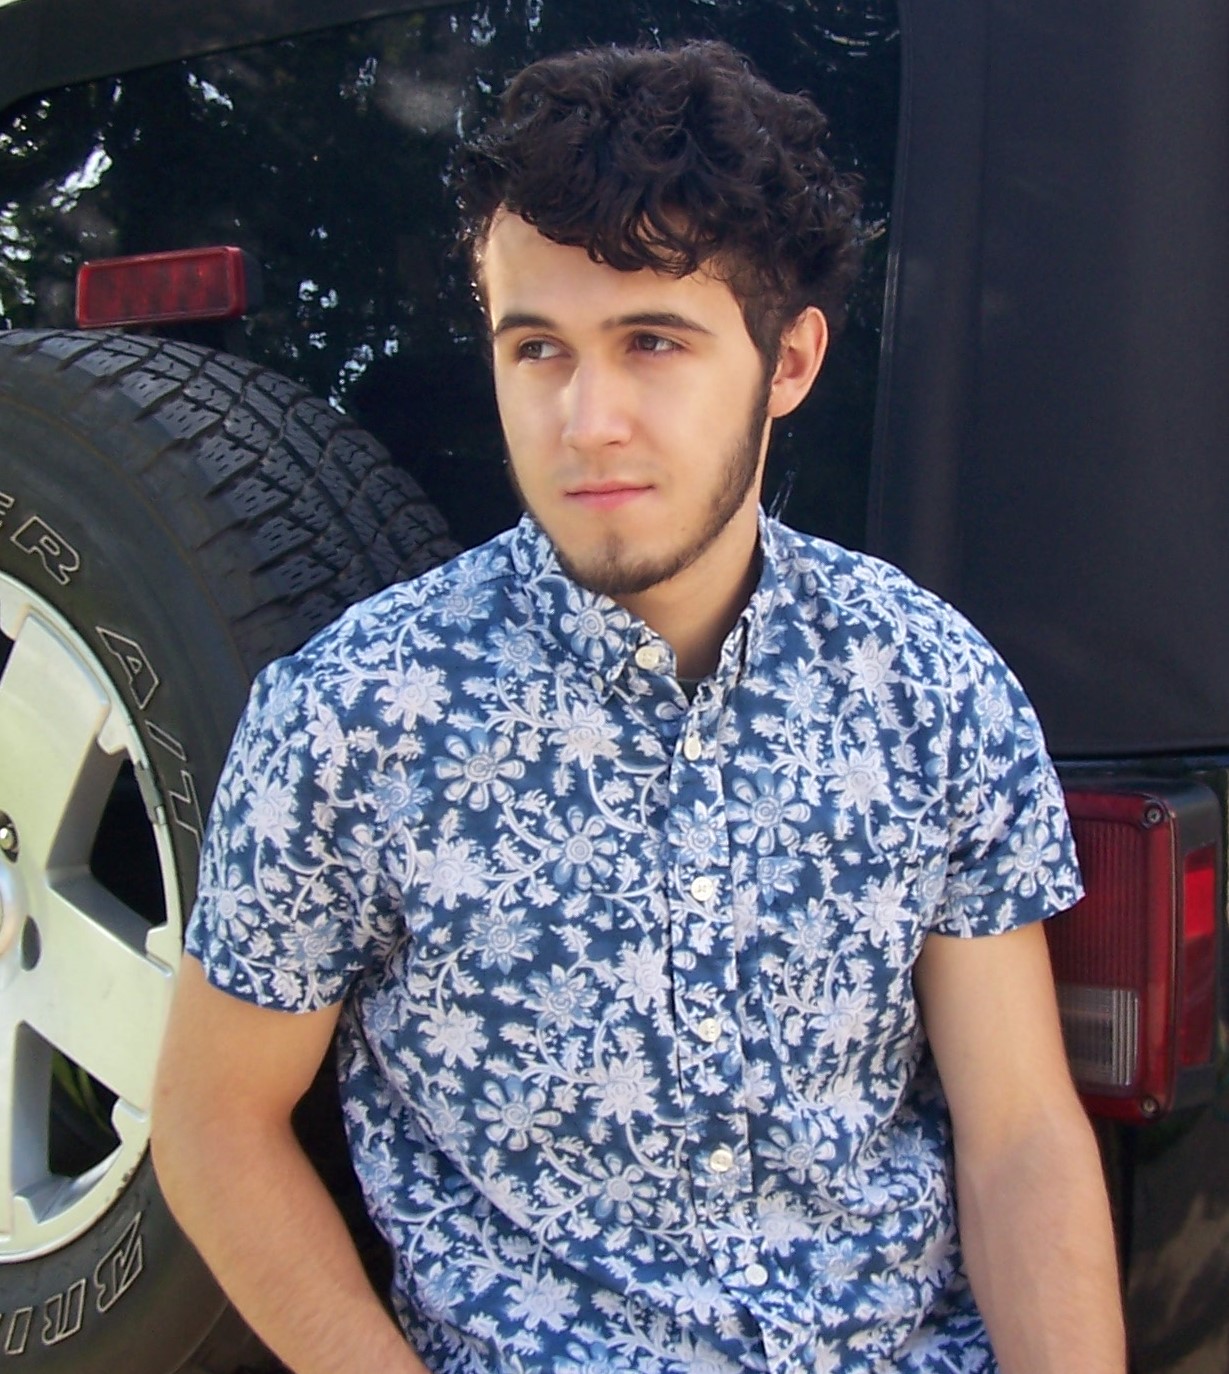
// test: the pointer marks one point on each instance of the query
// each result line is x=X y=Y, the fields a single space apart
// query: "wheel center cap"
x=13 y=908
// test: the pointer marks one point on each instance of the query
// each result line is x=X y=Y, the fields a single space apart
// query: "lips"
x=607 y=495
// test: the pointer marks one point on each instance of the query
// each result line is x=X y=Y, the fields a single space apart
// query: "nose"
x=596 y=407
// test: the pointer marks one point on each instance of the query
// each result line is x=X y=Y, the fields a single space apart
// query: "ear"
x=803 y=345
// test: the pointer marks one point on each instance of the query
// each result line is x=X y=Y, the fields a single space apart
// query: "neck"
x=697 y=609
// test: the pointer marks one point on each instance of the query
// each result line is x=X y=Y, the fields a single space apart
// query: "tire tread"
x=290 y=495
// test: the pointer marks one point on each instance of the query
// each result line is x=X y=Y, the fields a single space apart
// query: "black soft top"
x=1053 y=442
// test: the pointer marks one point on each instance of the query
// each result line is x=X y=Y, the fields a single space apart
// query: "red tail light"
x=1136 y=960
x=164 y=288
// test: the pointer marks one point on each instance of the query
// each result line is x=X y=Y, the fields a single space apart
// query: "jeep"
x=242 y=384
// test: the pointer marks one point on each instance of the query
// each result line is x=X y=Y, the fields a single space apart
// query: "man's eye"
x=536 y=350
x=653 y=343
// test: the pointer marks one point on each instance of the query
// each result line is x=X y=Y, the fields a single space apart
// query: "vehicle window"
x=323 y=156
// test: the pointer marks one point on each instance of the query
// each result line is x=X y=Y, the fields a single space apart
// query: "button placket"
x=711 y=1065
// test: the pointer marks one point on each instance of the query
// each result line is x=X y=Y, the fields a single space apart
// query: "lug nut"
x=8 y=837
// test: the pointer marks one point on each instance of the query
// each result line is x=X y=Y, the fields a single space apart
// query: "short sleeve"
x=1011 y=858
x=291 y=904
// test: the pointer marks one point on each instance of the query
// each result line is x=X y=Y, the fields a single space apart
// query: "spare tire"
x=170 y=519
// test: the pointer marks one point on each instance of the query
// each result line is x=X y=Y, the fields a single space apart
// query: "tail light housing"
x=186 y=286
x=1136 y=961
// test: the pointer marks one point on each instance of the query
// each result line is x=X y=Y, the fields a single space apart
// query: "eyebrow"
x=641 y=319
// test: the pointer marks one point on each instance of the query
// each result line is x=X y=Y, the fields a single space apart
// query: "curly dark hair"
x=672 y=159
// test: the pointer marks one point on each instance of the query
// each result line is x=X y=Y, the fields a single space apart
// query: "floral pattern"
x=632 y=1067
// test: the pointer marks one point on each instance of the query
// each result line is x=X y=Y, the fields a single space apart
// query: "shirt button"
x=648 y=657
x=692 y=748
x=721 y=1161
x=702 y=889
x=756 y=1275
x=709 y=1029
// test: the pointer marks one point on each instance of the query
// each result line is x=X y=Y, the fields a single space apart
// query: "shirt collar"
x=607 y=641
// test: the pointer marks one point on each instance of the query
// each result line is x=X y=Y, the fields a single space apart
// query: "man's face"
x=633 y=406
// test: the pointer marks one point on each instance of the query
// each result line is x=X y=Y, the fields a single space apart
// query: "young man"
x=676 y=877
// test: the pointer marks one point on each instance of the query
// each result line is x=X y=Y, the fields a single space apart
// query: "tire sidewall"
x=75 y=528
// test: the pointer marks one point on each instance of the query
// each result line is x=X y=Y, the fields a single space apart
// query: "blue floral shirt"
x=631 y=1063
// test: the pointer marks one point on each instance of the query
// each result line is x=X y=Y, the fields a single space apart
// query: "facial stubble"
x=609 y=569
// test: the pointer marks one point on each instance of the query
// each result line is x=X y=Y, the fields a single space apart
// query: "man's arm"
x=1034 y=1220
x=243 y=1190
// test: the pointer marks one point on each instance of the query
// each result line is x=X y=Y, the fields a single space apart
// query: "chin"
x=623 y=573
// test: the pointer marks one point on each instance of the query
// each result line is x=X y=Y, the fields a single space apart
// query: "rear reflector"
x=1197 y=1024
x=1135 y=961
x=166 y=288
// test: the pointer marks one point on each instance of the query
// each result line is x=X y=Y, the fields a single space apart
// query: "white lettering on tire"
x=63 y=1314
x=57 y=555
x=17 y=1333
x=120 y=1268
x=142 y=680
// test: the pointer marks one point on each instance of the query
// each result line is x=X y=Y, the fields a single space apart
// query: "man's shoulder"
x=859 y=609
x=458 y=599
x=437 y=622
x=853 y=587
x=880 y=632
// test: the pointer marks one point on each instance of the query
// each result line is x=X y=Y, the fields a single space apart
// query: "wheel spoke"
x=94 y=994
x=25 y=1086
x=56 y=774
